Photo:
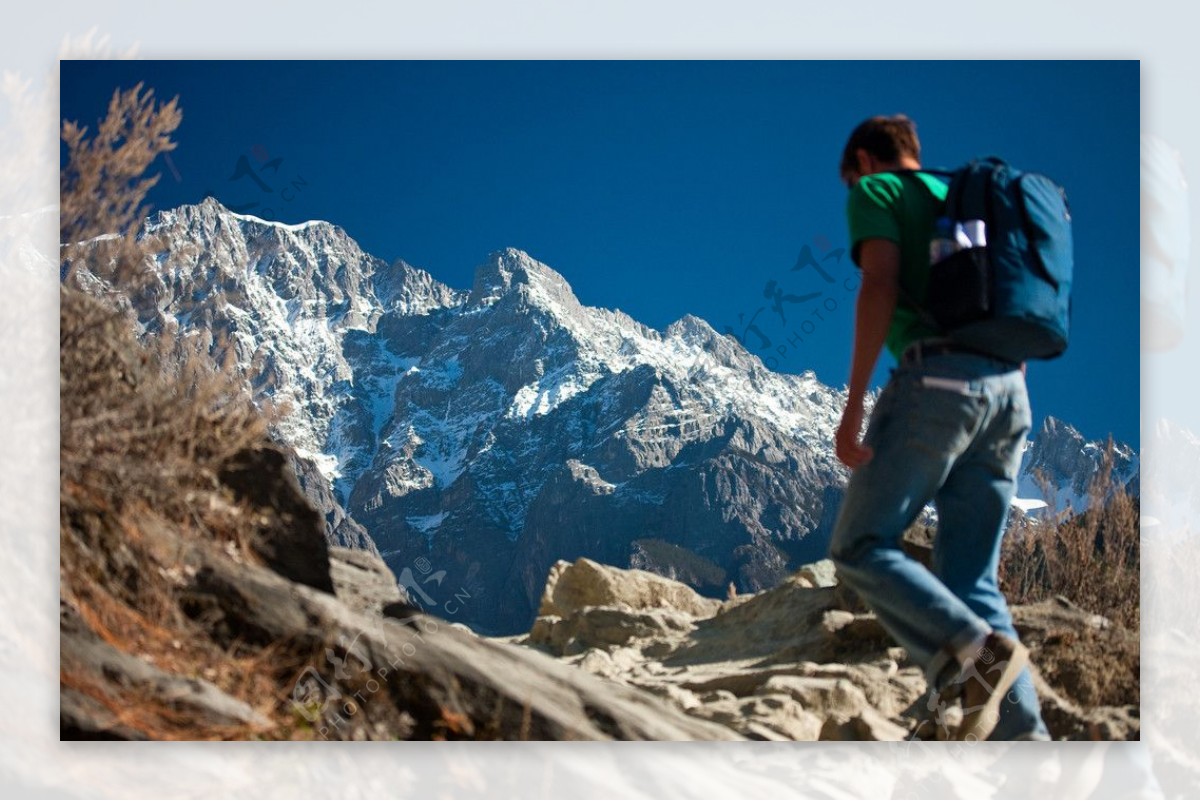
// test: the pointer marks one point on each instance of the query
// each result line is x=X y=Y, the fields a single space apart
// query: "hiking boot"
x=984 y=683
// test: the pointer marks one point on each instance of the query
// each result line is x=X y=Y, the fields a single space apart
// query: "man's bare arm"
x=880 y=263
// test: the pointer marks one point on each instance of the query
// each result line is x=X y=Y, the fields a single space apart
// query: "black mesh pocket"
x=959 y=290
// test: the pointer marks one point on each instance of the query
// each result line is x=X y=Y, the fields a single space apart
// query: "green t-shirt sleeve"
x=871 y=212
x=887 y=206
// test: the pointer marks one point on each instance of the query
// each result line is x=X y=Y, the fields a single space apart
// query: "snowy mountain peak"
x=1059 y=436
x=1059 y=464
x=690 y=326
x=209 y=213
x=1052 y=427
x=405 y=289
x=695 y=334
x=511 y=270
x=697 y=331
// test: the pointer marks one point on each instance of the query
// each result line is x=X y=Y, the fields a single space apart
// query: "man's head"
x=878 y=144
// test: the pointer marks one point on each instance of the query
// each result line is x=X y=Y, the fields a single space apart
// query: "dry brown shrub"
x=1093 y=559
x=135 y=428
x=102 y=188
x=145 y=430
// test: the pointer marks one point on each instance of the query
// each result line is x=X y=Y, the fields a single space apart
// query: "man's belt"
x=924 y=348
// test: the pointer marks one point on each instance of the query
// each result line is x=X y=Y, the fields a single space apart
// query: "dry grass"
x=144 y=618
x=1093 y=559
x=138 y=424
x=143 y=444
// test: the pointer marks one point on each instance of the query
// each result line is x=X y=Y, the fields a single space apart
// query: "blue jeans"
x=950 y=429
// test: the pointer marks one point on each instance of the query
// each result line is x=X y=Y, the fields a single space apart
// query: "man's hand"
x=850 y=450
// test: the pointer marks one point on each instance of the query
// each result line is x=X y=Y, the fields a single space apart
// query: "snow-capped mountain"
x=294 y=309
x=535 y=427
x=481 y=435
x=1059 y=465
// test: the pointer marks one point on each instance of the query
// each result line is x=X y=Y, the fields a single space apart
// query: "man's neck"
x=906 y=163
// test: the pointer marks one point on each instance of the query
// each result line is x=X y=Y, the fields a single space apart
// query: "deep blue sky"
x=661 y=188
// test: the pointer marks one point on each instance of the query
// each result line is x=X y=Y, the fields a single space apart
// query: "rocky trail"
x=613 y=654
x=805 y=661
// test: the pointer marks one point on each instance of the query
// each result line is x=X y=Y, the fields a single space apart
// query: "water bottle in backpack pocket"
x=959 y=287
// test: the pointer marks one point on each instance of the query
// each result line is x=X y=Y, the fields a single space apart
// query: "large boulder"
x=819 y=574
x=571 y=587
x=790 y=663
x=605 y=626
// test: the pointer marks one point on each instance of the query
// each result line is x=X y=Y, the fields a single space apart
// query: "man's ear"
x=866 y=162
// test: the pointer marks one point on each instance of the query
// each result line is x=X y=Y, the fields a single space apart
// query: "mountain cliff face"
x=480 y=436
x=1059 y=465
x=534 y=427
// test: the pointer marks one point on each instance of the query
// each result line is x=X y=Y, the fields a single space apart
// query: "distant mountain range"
x=476 y=437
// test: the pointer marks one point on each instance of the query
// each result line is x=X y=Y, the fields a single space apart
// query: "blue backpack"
x=1001 y=260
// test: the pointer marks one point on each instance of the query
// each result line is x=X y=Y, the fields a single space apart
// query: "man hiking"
x=948 y=427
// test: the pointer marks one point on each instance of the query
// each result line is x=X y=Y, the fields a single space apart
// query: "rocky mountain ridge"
x=1059 y=464
x=494 y=431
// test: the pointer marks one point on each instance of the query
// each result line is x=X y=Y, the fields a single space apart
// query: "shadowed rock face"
x=536 y=429
x=494 y=431
x=260 y=478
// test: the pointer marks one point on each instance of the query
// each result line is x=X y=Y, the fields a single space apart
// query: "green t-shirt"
x=898 y=208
